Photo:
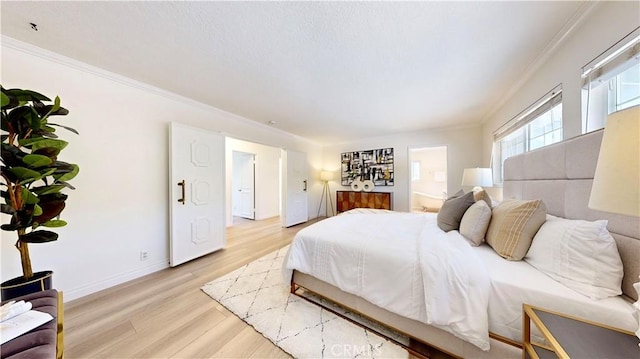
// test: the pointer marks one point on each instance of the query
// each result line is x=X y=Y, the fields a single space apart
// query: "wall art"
x=372 y=165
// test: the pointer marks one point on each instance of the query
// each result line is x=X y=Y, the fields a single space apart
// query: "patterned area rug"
x=257 y=295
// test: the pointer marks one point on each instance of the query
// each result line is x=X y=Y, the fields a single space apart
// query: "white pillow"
x=475 y=222
x=582 y=255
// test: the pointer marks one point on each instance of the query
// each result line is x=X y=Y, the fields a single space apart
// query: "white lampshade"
x=326 y=176
x=616 y=183
x=477 y=177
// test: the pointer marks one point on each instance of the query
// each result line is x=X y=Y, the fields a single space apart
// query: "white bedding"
x=517 y=282
x=427 y=275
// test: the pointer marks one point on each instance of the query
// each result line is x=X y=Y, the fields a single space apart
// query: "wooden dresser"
x=347 y=200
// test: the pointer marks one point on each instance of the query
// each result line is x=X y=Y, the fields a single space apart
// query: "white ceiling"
x=327 y=71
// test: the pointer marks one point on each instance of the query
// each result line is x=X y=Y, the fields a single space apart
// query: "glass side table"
x=571 y=337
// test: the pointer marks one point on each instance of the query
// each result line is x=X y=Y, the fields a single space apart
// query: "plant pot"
x=18 y=286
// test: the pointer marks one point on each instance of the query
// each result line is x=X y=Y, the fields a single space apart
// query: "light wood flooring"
x=166 y=315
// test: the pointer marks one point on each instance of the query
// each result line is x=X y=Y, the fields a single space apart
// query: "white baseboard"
x=75 y=293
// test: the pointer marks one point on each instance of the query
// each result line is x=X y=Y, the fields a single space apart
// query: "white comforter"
x=401 y=262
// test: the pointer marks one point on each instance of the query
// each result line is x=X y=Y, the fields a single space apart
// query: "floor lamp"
x=325 y=176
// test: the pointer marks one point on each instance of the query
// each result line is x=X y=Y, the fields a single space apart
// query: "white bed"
x=401 y=262
x=513 y=283
x=560 y=174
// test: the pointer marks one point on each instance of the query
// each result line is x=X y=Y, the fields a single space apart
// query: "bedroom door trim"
x=196 y=193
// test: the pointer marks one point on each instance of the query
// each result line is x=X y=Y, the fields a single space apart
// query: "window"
x=611 y=82
x=415 y=170
x=537 y=126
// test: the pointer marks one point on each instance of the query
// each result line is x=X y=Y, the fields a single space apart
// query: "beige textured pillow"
x=482 y=196
x=475 y=222
x=513 y=225
x=452 y=211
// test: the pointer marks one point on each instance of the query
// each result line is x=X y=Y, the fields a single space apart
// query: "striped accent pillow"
x=513 y=225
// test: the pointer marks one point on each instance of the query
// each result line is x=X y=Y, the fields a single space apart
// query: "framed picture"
x=373 y=165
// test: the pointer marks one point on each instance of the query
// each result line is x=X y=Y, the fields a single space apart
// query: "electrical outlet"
x=144 y=255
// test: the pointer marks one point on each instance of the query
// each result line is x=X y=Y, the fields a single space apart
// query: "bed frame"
x=561 y=175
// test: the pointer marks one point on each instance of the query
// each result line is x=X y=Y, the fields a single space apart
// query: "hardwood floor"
x=166 y=315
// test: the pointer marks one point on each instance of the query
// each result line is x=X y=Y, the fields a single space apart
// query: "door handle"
x=181 y=184
x=305 y=185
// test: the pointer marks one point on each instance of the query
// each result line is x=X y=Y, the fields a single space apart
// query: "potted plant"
x=32 y=179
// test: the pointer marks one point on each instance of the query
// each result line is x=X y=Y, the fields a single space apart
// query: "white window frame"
x=415 y=170
x=520 y=128
x=598 y=100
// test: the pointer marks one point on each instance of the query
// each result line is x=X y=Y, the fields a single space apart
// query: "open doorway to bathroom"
x=428 y=186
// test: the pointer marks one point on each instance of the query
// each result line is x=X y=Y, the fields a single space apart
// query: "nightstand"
x=571 y=337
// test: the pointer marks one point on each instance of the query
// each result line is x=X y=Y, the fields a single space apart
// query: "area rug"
x=257 y=294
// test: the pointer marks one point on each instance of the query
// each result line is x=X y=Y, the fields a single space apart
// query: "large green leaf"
x=26 y=95
x=27 y=142
x=55 y=188
x=47 y=172
x=35 y=161
x=4 y=100
x=65 y=127
x=55 y=223
x=52 y=204
x=9 y=227
x=49 y=143
x=44 y=133
x=39 y=237
x=48 y=151
x=66 y=184
x=34 y=119
x=13 y=102
x=37 y=210
x=19 y=117
x=69 y=175
x=28 y=197
x=25 y=174
x=49 y=110
x=21 y=219
x=12 y=155
x=8 y=174
x=56 y=105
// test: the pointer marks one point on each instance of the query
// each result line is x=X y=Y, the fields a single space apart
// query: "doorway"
x=428 y=181
x=243 y=185
x=267 y=180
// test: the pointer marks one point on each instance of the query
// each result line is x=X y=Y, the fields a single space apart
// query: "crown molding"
x=33 y=50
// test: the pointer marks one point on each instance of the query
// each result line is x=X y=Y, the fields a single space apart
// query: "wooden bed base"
x=425 y=341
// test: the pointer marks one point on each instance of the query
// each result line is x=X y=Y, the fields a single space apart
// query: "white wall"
x=464 y=147
x=267 y=176
x=120 y=206
x=604 y=25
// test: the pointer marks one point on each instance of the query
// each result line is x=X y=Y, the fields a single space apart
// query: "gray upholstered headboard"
x=561 y=175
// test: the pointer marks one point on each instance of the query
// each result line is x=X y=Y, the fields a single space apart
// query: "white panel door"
x=196 y=193
x=295 y=208
x=244 y=184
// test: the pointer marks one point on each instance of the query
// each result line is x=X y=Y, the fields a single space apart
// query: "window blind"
x=616 y=59
x=542 y=105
